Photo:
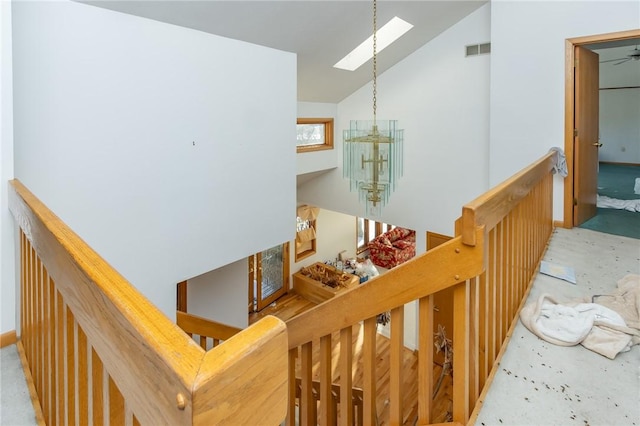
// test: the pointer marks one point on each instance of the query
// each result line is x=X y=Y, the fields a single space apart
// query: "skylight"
x=390 y=32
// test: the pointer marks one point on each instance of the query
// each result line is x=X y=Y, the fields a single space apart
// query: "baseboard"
x=31 y=385
x=614 y=163
x=558 y=224
x=8 y=338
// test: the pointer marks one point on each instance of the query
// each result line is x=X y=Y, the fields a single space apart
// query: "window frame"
x=328 y=135
x=310 y=246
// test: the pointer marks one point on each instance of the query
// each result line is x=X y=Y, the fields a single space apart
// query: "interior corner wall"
x=8 y=301
x=527 y=75
x=221 y=295
x=440 y=98
x=159 y=145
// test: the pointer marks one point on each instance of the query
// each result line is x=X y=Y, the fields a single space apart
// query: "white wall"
x=7 y=255
x=619 y=108
x=441 y=101
x=314 y=161
x=221 y=295
x=620 y=125
x=159 y=145
x=527 y=75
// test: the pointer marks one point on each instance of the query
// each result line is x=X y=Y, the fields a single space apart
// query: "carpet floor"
x=616 y=181
x=15 y=402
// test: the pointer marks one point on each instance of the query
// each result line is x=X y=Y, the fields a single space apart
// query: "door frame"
x=569 y=109
x=255 y=273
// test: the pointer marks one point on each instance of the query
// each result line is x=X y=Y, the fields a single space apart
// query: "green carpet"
x=616 y=181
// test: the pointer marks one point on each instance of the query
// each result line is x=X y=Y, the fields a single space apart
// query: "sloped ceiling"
x=319 y=32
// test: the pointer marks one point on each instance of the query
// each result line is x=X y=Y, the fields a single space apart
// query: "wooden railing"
x=100 y=353
x=499 y=242
x=205 y=330
x=334 y=403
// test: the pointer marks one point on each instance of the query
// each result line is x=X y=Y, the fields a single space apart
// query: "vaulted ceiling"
x=319 y=32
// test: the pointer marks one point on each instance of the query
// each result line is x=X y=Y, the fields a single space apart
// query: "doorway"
x=577 y=172
x=268 y=276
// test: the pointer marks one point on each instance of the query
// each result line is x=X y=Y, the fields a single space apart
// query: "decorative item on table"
x=383 y=318
x=331 y=278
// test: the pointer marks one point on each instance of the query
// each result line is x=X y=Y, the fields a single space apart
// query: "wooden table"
x=317 y=292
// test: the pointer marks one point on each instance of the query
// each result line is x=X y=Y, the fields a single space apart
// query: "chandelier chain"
x=375 y=59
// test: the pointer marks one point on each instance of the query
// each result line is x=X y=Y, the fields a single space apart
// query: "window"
x=367 y=230
x=314 y=134
x=306 y=232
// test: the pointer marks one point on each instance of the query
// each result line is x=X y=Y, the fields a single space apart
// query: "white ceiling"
x=319 y=32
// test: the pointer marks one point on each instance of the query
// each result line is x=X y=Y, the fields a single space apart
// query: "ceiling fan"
x=634 y=55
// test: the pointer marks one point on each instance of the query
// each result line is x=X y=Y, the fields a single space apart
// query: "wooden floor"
x=291 y=305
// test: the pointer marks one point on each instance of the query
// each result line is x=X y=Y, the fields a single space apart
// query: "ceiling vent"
x=478 y=49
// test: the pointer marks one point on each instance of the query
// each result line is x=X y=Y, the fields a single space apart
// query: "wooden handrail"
x=489 y=266
x=244 y=381
x=162 y=374
x=203 y=327
x=419 y=277
x=492 y=206
x=158 y=358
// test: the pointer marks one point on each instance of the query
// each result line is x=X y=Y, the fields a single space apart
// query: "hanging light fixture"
x=373 y=151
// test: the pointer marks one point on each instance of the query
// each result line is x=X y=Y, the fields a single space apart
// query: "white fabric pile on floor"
x=607 y=330
x=613 y=203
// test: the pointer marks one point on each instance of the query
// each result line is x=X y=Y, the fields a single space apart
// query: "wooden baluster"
x=23 y=288
x=474 y=341
x=306 y=395
x=500 y=288
x=509 y=283
x=425 y=360
x=203 y=342
x=60 y=376
x=460 y=353
x=83 y=379
x=346 y=382
x=116 y=404
x=46 y=361
x=36 y=370
x=29 y=349
x=291 y=410
x=50 y=416
x=522 y=245
x=395 y=366
x=370 y=416
x=70 y=367
x=327 y=414
x=97 y=387
x=483 y=369
x=501 y=240
x=129 y=418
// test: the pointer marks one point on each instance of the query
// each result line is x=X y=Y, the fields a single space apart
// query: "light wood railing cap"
x=150 y=359
x=492 y=206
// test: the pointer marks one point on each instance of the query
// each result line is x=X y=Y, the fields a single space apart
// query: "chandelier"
x=373 y=151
